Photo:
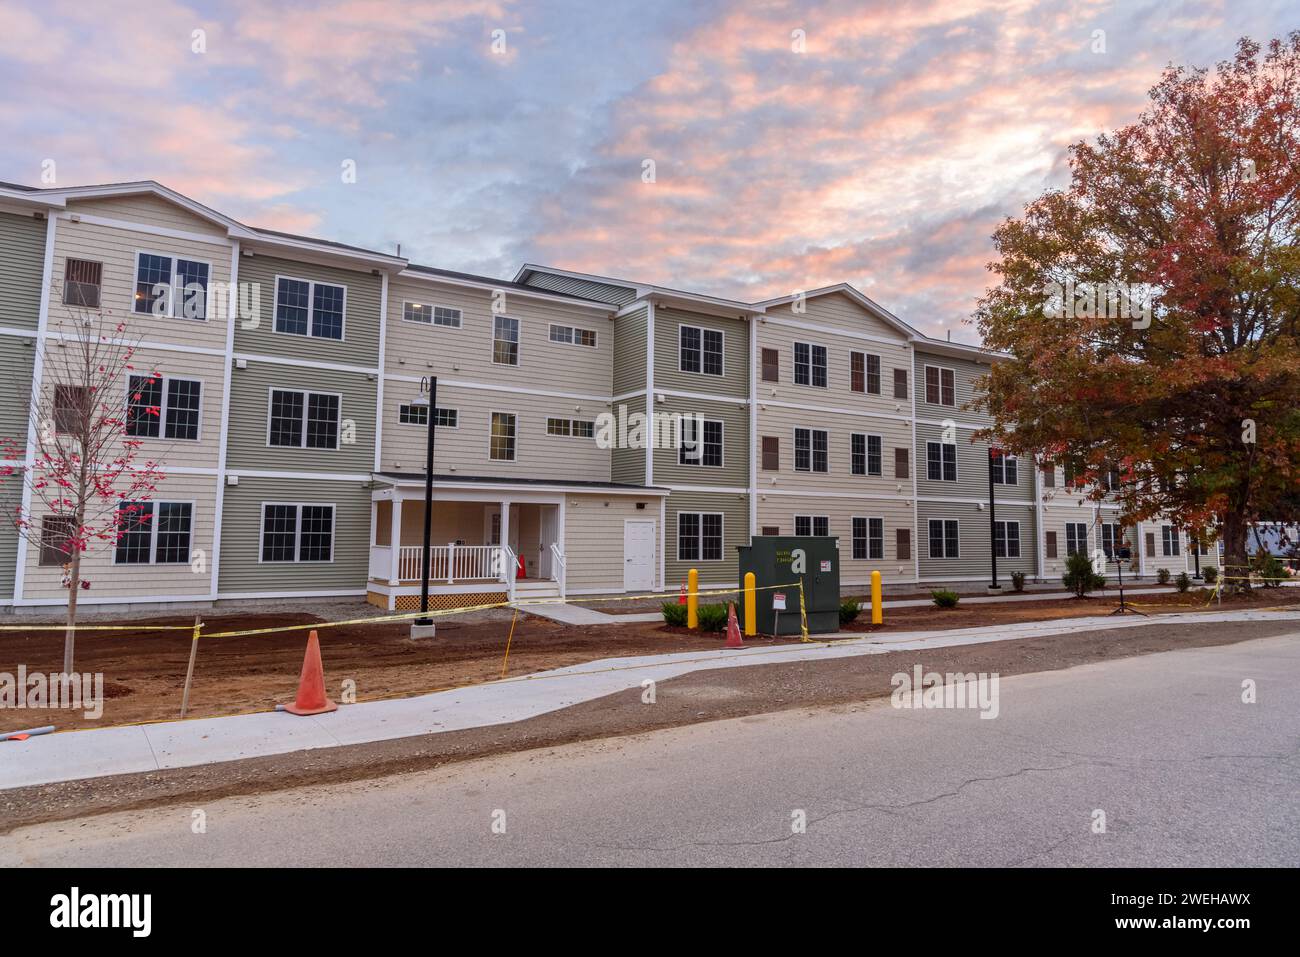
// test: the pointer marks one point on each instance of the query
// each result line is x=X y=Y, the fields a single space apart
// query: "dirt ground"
x=144 y=671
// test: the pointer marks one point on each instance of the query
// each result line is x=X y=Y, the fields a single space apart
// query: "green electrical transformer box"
x=785 y=560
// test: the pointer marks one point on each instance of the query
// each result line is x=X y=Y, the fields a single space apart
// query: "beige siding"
x=22 y=240
x=837 y=311
x=779 y=511
x=593 y=539
x=735 y=532
x=966 y=376
x=149 y=210
x=734 y=380
x=209 y=370
x=781 y=423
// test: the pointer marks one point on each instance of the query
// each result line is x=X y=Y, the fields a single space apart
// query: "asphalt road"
x=1185 y=772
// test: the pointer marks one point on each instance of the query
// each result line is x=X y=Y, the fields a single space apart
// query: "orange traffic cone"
x=681 y=598
x=733 y=628
x=311 y=685
x=521 y=568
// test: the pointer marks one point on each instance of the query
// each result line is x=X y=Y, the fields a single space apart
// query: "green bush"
x=1162 y=576
x=1079 y=576
x=674 y=614
x=849 y=611
x=1210 y=574
x=1271 y=570
x=944 y=598
x=1183 y=582
x=713 y=617
x=1018 y=581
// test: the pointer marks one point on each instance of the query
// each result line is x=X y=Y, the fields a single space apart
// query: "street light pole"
x=993 y=515
x=432 y=405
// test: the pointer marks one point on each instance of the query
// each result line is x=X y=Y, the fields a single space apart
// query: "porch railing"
x=452 y=563
x=559 y=568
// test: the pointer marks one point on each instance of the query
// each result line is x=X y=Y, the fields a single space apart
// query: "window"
x=903 y=542
x=771 y=453
x=56 y=532
x=1049 y=544
x=411 y=414
x=900 y=383
x=1006 y=539
x=699 y=350
x=307 y=308
x=810 y=450
x=154 y=533
x=1076 y=538
x=902 y=464
x=940 y=386
x=771 y=365
x=72 y=407
x=575 y=428
x=307 y=420
x=864 y=454
x=943 y=538
x=1049 y=474
x=158 y=407
x=1003 y=468
x=501 y=444
x=806 y=525
x=699 y=536
x=869 y=538
x=573 y=336
x=584 y=428
x=297 y=533
x=431 y=315
x=693 y=450
x=864 y=373
x=505 y=341
x=81 y=282
x=1168 y=540
x=171 y=286
x=1072 y=480
x=941 y=461
x=1111 y=480
x=559 y=427
x=1111 y=539
x=809 y=365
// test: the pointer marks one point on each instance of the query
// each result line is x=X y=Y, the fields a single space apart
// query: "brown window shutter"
x=903 y=543
x=901 y=464
x=1151 y=543
x=771 y=453
x=900 y=383
x=1050 y=544
x=771 y=365
x=1049 y=475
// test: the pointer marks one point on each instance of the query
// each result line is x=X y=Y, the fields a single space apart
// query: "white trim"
x=649 y=384
x=915 y=465
x=999 y=502
x=944 y=535
x=722 y=352
x=306 y=394
x=722 y=444
x=311 y=309
x=142 y=344
x=344 y=593
x=431 y=306
x=956 y=463
x=534 y=494
x=794 y=365
x=222 y=440
x=838 y=410
x=864 y=495
x=812 y=458
x=753 y=430
x=925 y=385
x=163 y=407
x=322 y=476
x=517 y=431
x=866 y=374
x=663 y=538
x=1006 y=523
x=424 y=425
x=518 y=343
x=513 y=389
x=138 y=227
x=153 y=532
x=552 y=326
x=308 y=363
x=722 y=538
x=172 y=299
x=703 y=396
x=868 y=519
x=939 y=423
x=721 y=489
x=653 y=563
x=866 y=455
x=812 y=526
x=297 y=532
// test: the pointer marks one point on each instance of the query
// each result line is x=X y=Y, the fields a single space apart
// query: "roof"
x=502 y=284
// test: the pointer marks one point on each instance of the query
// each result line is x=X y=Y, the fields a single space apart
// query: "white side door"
x=545 y=538
x=638 y=554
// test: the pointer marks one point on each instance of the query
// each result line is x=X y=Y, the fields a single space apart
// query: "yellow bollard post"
x=877 y=609
x=751 y=609
x=693 y=598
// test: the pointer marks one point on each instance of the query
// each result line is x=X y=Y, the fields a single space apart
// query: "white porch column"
x=395 y=540
x=505 y=543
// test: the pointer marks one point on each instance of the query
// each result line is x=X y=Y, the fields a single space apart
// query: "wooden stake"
x=189 y=672
x=506 y=661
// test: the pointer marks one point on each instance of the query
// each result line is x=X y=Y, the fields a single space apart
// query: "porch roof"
x=408 y=479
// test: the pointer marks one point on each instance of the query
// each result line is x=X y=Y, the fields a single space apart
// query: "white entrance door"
x=638 y=555
x=545 y=538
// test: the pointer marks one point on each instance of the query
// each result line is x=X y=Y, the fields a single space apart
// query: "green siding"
x=734 y=472
x=16 y=355
x=10 y=499
x=628 y=465
x=241 y=528
x=735 y=354
x=360 y=343
x=965 y=388
x=22 y=264
x=630 y=352
x=735 y=532
x=974 y=549
x=250 y=410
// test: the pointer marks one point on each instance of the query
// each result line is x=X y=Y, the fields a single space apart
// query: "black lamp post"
x=431 y=403
x=1196 y=555
x=993 y=524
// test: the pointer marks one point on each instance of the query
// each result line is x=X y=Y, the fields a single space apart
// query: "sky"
x=739 y=148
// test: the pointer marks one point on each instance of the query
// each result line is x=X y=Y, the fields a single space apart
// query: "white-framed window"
x=304 y=420
x=501 y=438
x=864 y=373
x=163 y=407
x=940 y=386
x=571 y=428
x=700 y=446
x=1006 y=539
x=806 y=525
x=1112 y=538
x=699 y=536
x=868 y=538
x=699 y=350
x=945 y=538
x=304 y=307
x=297 y=532
x=411 y=414
x=1004 y=467
x=1076 y=538
x=505 y=341
x=430 y=314
x=865 y=454
x=811 y=450
x=941 y=461
x=809 y=364
x=573 y=336
x=154 y=533
x=175 y=287
x=1168 y=540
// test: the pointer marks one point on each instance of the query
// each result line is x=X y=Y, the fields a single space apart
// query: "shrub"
x=1210 y=574
x=849 y=611
x=1272 y=571
x=1018 y=581
x=674 y=614
x=944 y=598
x=713 y=617
x=1079 y=576
x=1162 y=576
x=1183 y=582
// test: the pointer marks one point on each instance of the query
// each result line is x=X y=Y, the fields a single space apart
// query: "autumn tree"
x=77 y=466
x=1150 y=308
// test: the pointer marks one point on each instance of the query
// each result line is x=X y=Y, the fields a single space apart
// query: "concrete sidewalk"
x=124 y=750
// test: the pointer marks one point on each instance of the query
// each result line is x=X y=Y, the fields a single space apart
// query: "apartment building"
x=292 y=423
